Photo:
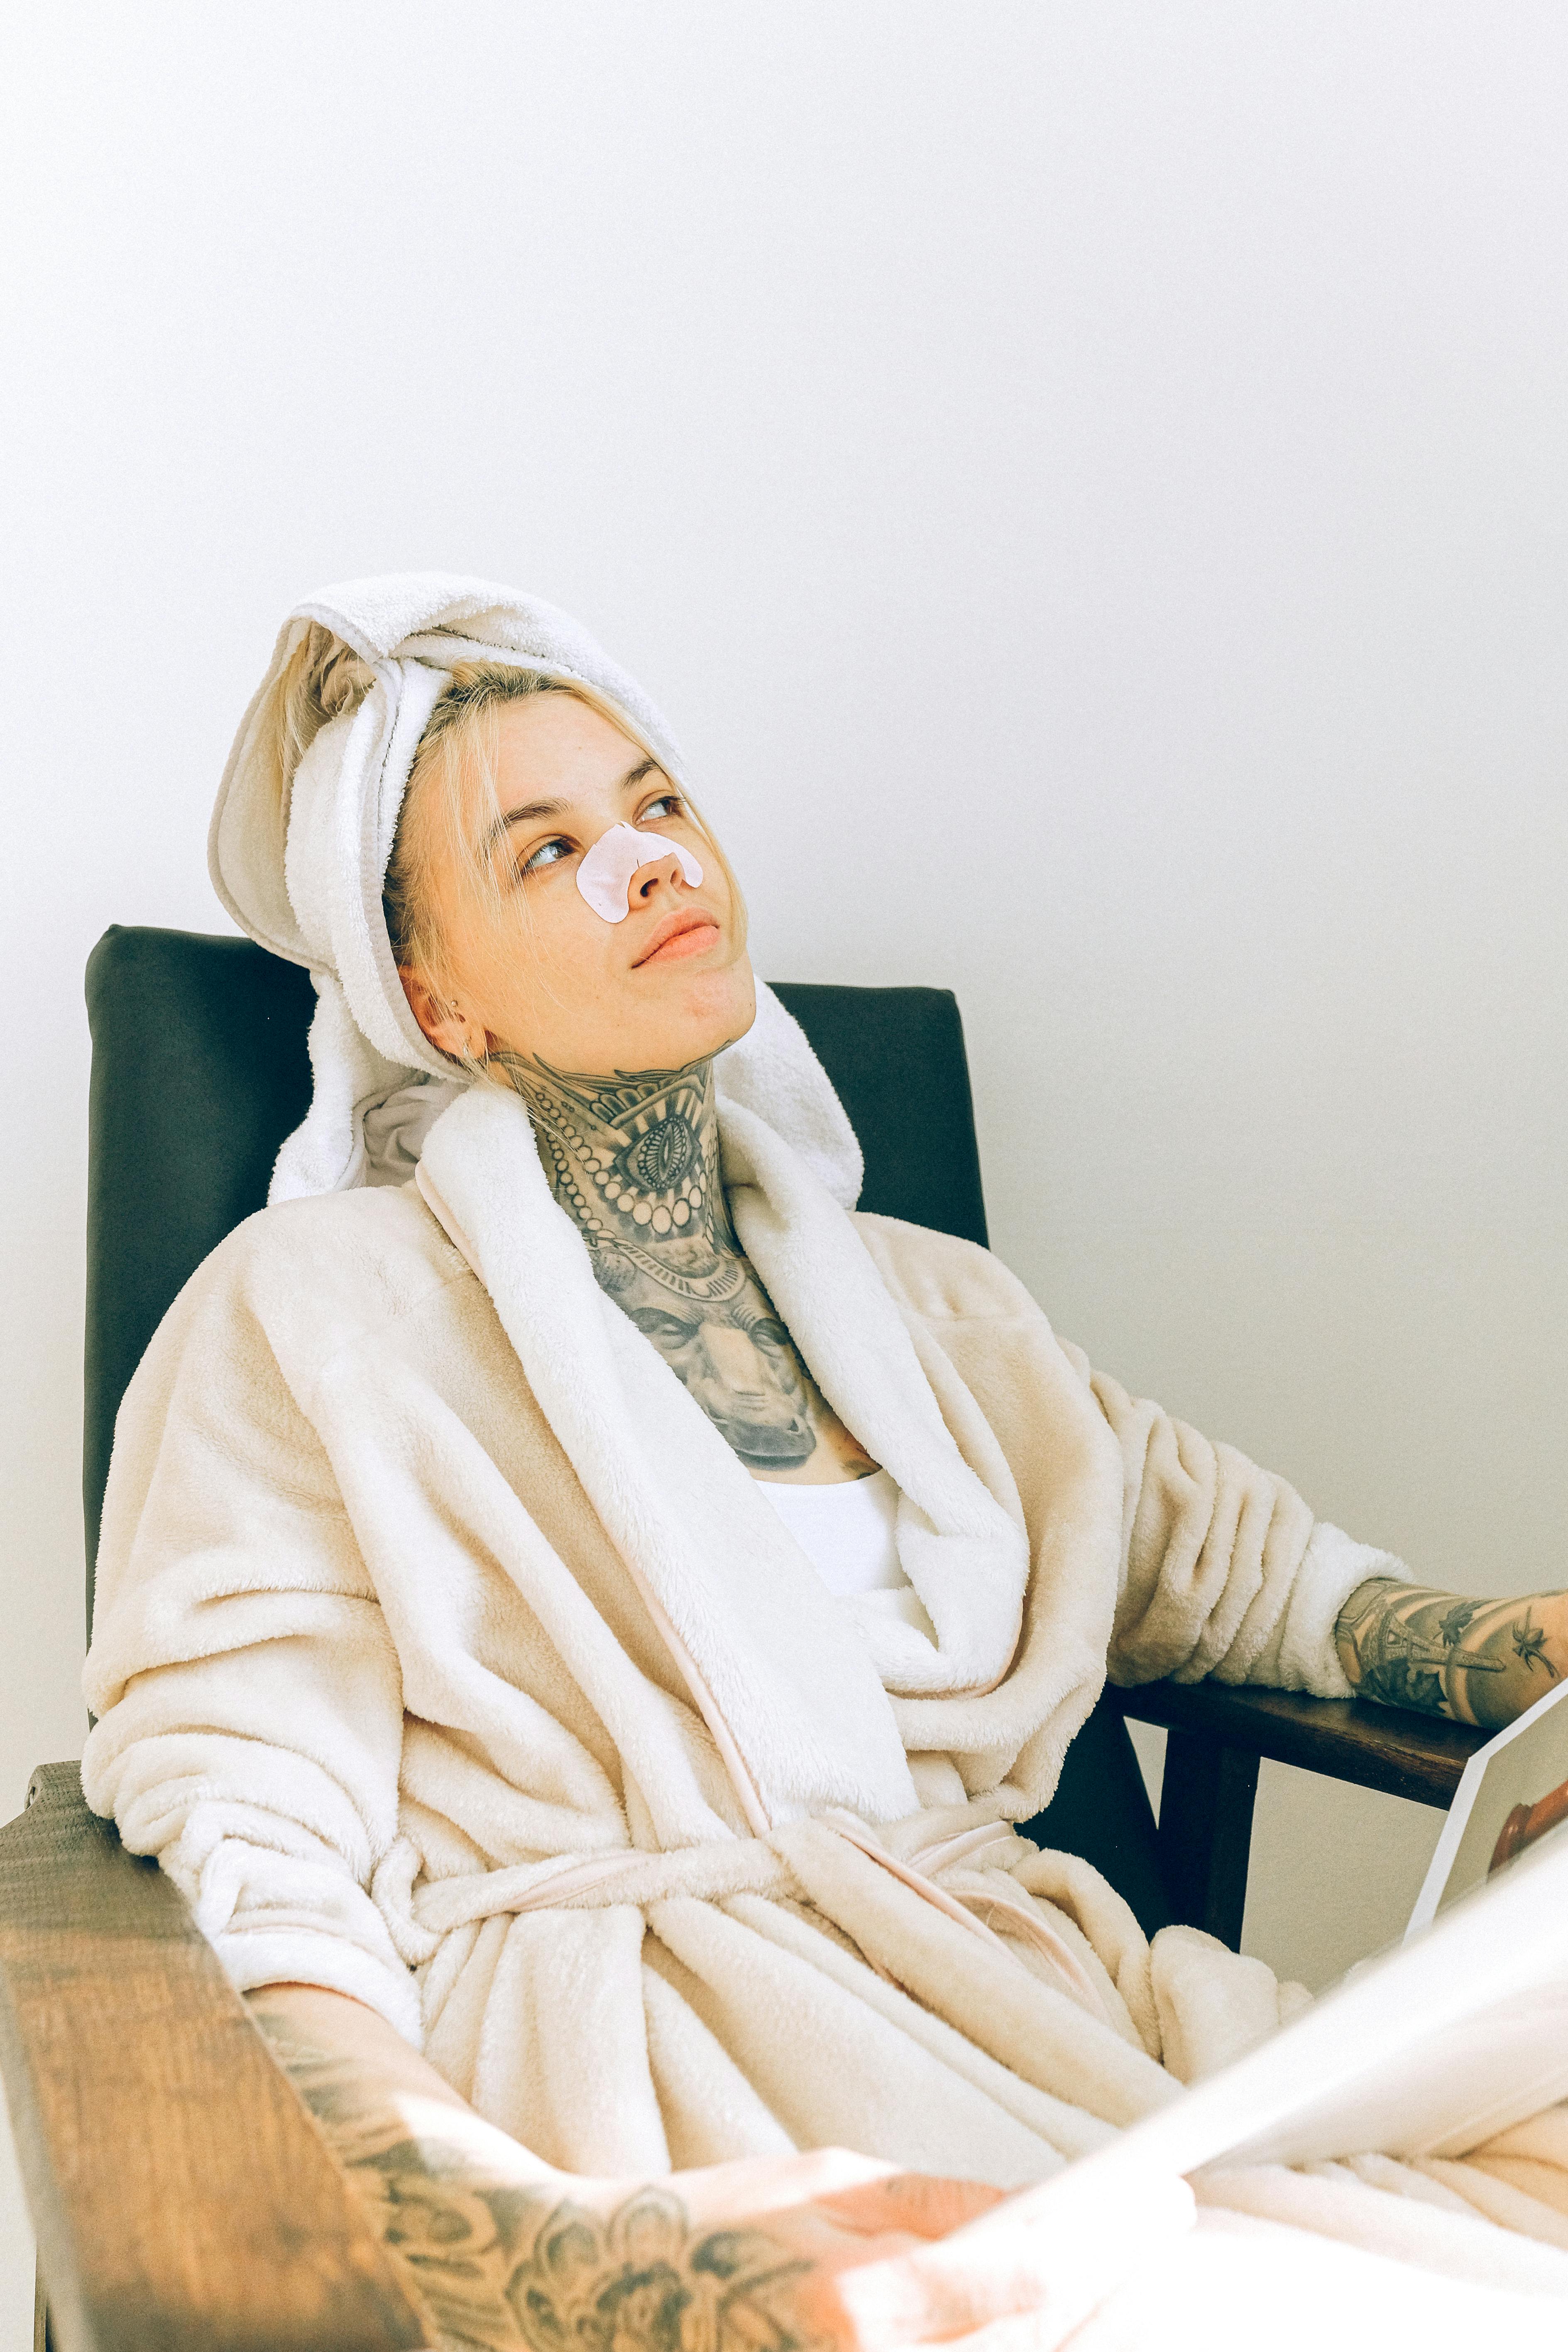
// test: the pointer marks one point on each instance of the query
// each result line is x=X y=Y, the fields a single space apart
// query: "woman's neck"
x=634 y=1161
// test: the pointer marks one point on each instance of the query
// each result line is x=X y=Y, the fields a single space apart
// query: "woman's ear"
x=448 y=1028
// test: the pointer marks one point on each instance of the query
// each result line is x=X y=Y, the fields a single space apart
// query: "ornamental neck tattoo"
x=634 y=1161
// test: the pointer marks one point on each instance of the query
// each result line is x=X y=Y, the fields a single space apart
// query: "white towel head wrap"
x=300 y=861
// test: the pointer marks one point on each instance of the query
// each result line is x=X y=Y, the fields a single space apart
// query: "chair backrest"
x=199 y=1070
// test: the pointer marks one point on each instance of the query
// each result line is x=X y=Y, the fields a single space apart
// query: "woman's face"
x=534 y=970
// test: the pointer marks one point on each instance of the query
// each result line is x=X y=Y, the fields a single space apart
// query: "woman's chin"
x=708 y=1010
x=672 y=1016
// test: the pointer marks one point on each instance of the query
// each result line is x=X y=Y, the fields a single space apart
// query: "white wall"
x=1090 y=486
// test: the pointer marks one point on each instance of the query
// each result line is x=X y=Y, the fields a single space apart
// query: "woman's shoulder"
x=940 y=1278
x=345 y=1259
x=291 y=1293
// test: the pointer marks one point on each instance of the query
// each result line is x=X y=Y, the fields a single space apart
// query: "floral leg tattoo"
x=1481 y=1662
x=511 y=2265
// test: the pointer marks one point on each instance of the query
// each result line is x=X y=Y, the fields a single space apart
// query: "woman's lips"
x=686 y=934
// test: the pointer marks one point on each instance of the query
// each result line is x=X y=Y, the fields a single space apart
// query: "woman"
x=575 y=1600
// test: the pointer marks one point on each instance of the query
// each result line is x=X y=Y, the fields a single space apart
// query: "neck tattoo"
x=634 y=1161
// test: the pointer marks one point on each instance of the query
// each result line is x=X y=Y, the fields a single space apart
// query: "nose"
x=646 y=879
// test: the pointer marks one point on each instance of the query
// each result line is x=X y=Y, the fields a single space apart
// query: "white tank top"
x=846 y=1532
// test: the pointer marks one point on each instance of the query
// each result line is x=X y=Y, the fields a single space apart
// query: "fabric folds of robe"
x=384 y=1656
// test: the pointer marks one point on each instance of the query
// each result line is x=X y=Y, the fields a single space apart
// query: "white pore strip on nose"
x=605 y=876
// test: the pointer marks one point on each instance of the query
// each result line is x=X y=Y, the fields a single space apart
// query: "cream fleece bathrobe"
x=446 y=1656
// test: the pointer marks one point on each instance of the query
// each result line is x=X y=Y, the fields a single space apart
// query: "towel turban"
x=300 y=861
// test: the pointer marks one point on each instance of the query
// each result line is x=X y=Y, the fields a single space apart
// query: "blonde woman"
x=581 y=1610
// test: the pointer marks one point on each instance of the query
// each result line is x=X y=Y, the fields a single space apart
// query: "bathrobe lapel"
x=960 y=1535
x=791 y=1681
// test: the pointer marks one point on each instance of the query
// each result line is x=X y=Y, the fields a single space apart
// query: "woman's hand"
x=511 y=2254
x=1481 y=1662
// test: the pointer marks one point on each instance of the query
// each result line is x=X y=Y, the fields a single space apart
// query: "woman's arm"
x=513 y=2256
x=1224 y=1568
x=1477 y=1661
x=349 y=2065
x=248 y=1688
x=1225 y=1571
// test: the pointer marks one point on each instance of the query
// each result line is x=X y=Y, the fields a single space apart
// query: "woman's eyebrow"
x=526 y=813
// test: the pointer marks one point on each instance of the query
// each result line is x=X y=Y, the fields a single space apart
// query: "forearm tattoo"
x=634 y=1160
x=1481 y=1662
x=513 y=2266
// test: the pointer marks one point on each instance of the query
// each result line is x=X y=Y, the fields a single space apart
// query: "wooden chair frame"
x=183 y=2196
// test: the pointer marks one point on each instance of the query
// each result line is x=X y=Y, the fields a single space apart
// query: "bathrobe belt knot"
x=786 y=1863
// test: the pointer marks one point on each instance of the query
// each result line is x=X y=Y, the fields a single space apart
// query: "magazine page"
x=1513 y=1791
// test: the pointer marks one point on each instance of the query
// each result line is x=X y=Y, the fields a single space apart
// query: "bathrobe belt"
x=776 y=1866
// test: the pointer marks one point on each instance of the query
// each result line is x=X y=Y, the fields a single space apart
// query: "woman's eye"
x=549 y=852
x=667 y=805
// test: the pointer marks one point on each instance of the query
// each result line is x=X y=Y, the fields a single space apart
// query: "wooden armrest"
x=182 y=2194
x=1386 y=1747
x=1217 y=1733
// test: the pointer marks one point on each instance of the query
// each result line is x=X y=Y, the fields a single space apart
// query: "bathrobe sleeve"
x=249 y=1694
x=1221 y=1567
x=1225 y=1572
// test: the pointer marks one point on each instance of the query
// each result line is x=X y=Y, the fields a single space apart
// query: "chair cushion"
x=895 y=1056
x=199 y=1070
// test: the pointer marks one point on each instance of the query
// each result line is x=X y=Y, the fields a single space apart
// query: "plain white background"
x=1090 y=484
